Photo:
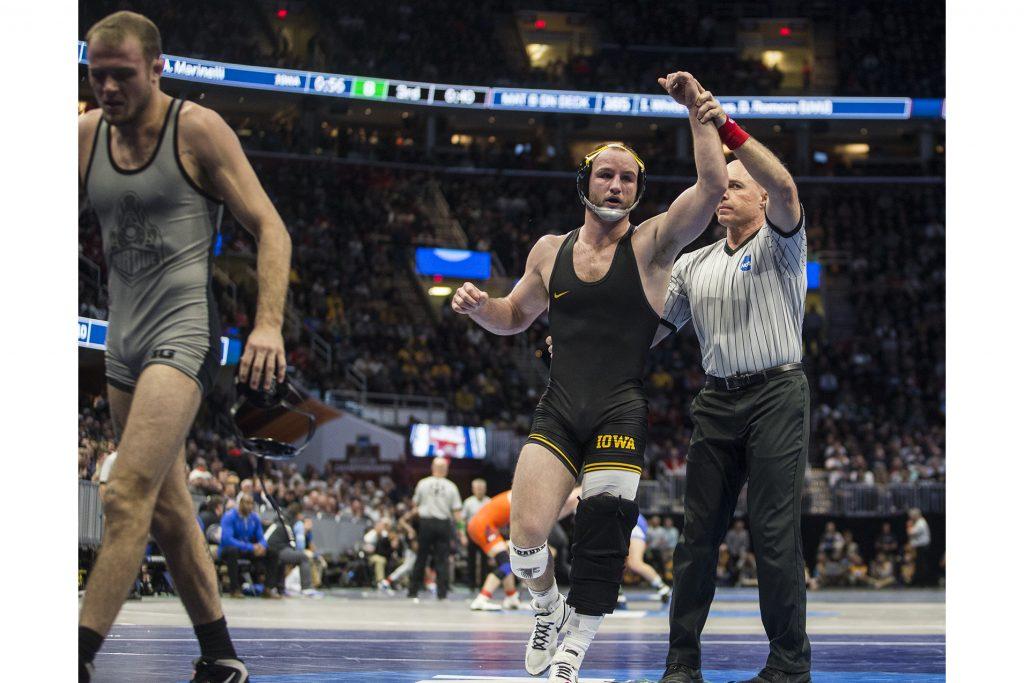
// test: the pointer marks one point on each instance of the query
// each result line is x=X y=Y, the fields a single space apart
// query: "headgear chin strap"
x=583 y=180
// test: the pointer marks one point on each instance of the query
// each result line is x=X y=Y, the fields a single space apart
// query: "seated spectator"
x=885 y=542
x=242 y=537
x=302 y=529
x=831 y=539
x=738 y=540
x=748 y=571
x=201 y=480
x=210 y=513
x=279 y=542
x=908 y=567
x=858 y=568
x=724 y=574
x=832 y=568
x=379 y=549
x=883 y=571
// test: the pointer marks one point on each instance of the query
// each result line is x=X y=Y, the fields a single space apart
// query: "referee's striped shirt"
x=747 y=304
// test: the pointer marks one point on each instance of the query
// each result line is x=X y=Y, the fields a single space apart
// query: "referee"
x=438 y=504
x=745 y=295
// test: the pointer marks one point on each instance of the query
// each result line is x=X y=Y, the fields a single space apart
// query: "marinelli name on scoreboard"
x=526 y=99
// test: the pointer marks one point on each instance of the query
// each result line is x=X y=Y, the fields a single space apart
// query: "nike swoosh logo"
x=561 y=294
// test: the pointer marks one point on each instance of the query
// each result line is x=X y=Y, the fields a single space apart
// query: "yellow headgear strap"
x=587 y=160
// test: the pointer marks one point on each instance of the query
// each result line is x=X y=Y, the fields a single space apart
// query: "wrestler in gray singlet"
x=158 y=233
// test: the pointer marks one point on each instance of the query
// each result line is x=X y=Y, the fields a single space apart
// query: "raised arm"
x=783 y=209
x=689 y=215
x=221 y=160
x=528 y=299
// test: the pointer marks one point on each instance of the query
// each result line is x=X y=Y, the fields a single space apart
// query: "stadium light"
x=439 y=291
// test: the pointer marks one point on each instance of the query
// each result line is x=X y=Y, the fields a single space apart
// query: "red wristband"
x=732 y=135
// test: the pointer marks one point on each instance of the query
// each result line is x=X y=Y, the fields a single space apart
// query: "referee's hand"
x=710 y=109
x=468 y=299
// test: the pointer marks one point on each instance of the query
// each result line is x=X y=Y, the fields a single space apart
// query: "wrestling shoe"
x=565 y=667
x=385 y=587
x=543 y=643
x=769 y=675
x=85 y=671
x=482 y=604
x=680 y=673
x=665 y=593
x=511 y=602
x=209 y=670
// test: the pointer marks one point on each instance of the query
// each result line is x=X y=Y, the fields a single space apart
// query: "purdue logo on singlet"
x=136 y=247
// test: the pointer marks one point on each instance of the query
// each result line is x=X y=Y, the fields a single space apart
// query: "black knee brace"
x=599 y=549
x=502 y=565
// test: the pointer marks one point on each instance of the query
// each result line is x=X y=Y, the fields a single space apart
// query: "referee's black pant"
x=760 y=432
x=435 y=538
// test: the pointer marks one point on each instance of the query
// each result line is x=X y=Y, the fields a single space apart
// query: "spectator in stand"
x=919 y=537
x=279 y=544
x=832 y=568
x=747 y=571
x=857 y=567
x=671 y=534
x=725 y=574
x=379 y=549
x=102 y=475
x=201 y=480
x=737 y=539
x=908 y=566
x=302 y=529
x=242 y=537
x=885 y=541
x=358 y=515
x=210 y=513
x=883 y=571
x=657 y=544
x=831 y=539
x=476 y=560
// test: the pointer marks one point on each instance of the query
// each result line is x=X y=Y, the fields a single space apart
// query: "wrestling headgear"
x=583 y=180
x=255 y=408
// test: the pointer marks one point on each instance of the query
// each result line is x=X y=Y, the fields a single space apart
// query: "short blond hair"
x=114 y=28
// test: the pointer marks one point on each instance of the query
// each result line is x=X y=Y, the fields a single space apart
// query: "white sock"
x=657 y=583
x=547 y=597
x=580 y=632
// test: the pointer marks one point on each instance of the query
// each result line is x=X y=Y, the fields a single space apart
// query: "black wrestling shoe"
x=769 y=675
x=680 y=673
x=85 y=671
x=209 y=670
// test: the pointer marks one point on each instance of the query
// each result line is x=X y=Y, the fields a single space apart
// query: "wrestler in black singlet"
x=593 y=414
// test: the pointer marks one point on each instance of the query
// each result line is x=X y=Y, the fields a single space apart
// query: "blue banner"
x=92 y=334
x=454 y=263
x=529 y=99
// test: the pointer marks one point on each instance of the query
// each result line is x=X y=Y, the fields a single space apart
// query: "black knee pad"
x=502 y=565
x=599 y=549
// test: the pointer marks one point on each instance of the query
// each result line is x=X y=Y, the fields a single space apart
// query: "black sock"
x=89 y=643
x=214 y=640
